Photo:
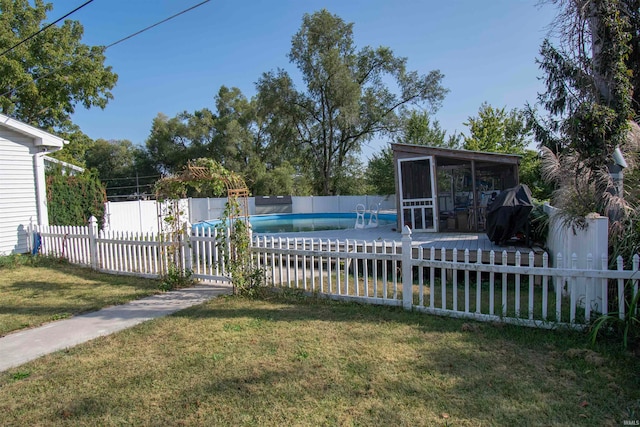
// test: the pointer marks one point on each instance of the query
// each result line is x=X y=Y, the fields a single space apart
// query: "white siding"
x=17 y=191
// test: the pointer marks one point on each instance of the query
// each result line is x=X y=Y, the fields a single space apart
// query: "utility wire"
x=129 y=186
x=156 y=24
x=44 y=28
x=131 y=177
x=108 y=46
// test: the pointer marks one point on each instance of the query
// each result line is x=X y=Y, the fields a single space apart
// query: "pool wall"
x=205 y=209
x=279 y=223
x=142 y=215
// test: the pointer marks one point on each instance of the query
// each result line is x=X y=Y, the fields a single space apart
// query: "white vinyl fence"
x=376 y=272
x=148 y=255
x=142 y=215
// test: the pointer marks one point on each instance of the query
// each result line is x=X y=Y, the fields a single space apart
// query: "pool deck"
x=425 y=241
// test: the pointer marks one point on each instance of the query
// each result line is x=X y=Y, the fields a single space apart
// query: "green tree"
x=346 y=101
x=589 y=101
x=233 y=135
x=380 y=173
x=588 y=93
x=122 y=166
x=498 y=131
x=418 y=128
x=175 y=141
x=42 y=80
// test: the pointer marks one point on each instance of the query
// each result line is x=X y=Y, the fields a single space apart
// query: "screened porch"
x=446 y=190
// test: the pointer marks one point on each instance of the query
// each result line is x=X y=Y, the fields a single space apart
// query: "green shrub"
x=72 y=200
x=627 y=329
x=175 y=279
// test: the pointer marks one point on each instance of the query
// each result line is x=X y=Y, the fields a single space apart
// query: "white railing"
x=449 y=282
x=69 y=242
x=141 y=254
x=491 y=287
x=356 y=270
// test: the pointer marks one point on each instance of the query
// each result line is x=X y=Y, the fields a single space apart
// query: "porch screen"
x=416 y=179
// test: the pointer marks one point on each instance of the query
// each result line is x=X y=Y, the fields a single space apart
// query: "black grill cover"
x=508 y=213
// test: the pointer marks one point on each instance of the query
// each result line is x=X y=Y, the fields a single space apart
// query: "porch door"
x=417 y=200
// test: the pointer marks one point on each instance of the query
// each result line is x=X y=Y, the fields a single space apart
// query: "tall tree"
x=347 y=100
x=43 y=79
x=591 y=100
x=496 y=130
x=122 y=167
x=588 y=87
x=175 y=141
x=417 y=127
x=236 y=135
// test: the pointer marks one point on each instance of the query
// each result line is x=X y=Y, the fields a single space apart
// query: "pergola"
x=442 y=189
x=193 y=174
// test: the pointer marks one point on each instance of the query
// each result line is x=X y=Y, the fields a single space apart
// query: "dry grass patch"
x=31 y=295
x=293 y=361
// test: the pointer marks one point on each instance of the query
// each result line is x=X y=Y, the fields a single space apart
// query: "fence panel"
x=207 y=254
x=431 y=280
x=353 y=270
x=520 y=292
x=140 y=254
x=67 y=242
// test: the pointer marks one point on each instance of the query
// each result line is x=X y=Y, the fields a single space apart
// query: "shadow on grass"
x=59 y=291
x=486 y=373
x=306 y=361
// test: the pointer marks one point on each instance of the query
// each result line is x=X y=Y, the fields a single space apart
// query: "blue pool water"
x=285 y=223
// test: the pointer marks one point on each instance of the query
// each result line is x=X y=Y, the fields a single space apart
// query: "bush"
x=539 y=224
x=175 y=279
x=72 y=200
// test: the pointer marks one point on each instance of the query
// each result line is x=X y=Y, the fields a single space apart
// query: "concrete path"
x=23 y=346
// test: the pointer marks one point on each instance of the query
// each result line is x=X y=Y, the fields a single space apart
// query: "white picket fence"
x=375 y=272
x=141 y=254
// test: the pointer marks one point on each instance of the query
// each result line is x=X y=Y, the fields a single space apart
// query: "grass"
x=289 y=360
x=34 y=291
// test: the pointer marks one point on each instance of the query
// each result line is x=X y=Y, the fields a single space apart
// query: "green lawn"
x=34 y=291
x=289 y=360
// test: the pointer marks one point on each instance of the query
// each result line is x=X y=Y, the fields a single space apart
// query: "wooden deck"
x=473 y=242
x=425 y=241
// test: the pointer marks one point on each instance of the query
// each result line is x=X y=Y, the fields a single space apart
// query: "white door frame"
x=420 y=205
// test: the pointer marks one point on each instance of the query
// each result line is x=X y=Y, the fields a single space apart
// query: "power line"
x=131 y=177
x=156 y=24
x=44 y=29
x=129 y=186
x=108 y=46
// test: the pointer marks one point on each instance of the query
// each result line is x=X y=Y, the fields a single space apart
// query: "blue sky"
x=485 y=49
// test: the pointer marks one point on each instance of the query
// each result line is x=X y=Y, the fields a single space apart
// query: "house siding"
x=18 y=204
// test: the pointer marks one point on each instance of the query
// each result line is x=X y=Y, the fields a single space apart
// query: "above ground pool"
x=286 y=223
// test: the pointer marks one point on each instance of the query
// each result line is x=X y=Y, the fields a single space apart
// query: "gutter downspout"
x=41 y=188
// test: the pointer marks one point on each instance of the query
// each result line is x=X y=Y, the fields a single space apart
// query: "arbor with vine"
x=206 y=177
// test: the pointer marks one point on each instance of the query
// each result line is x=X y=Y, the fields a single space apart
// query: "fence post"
x=407 y=273
x=186 y=247
x=93 y=244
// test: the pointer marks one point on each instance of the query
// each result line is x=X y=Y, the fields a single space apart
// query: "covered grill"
x=508 y=213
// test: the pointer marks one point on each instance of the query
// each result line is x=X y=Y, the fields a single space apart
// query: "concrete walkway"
x=23 y=346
